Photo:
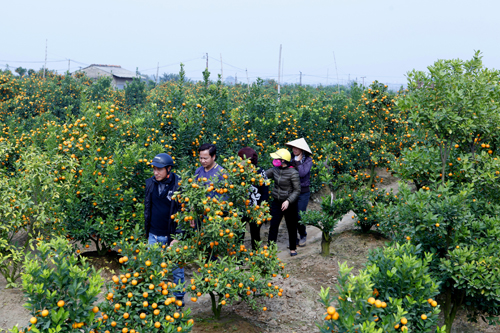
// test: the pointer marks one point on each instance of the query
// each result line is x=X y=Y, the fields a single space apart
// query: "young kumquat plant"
x=141 y=299
x=359 y=308
x=61 y=290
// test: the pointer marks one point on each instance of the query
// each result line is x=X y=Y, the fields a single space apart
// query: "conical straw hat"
x=301 y=144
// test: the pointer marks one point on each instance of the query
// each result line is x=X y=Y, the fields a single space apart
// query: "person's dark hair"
x=247 y=152
x=212 y=149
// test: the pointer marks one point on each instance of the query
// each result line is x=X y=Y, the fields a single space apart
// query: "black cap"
x=162 y=160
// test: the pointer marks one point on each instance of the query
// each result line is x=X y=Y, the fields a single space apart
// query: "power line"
x=168 y=65
x=81 y=63
x=225 y=63
x=24 y=61
x=251 y=75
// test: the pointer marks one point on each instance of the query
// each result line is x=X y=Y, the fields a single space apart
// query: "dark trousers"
x=254 y=232
x=291 y=218
x=302 y=204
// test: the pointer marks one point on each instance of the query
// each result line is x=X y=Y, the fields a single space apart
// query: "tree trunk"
x=325 y=244
x=372 y=175
x=216 y=306
x=451 y=306
x=101 y=249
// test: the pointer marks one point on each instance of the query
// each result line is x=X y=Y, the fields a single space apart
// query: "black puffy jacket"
x=173 y=227
x=286 y=183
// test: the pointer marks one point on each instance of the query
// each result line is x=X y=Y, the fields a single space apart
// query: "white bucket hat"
x=301 y=144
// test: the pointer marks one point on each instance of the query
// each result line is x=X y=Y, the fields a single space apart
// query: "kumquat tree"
x=454 y=215
x=227 y=269
x=333 y=209
x=75 y=154
x=30 y=207
x=393 y=294
x=139 y=299
x=60 y=289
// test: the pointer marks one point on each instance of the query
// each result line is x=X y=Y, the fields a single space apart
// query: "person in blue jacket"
x=159 y=207
x=302 y=161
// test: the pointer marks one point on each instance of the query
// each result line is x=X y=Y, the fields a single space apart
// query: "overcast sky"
x=380 y=40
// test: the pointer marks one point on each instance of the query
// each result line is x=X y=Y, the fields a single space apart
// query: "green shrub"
x=60 y=289
x=398 y=272
x=29 y=208
x=139 y=299
x=356 y=310
x=473 y=273
x=332 y=211
x=366 y=205
x=359 y=311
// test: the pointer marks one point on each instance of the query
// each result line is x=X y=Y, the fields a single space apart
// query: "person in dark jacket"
x=159 y=207
x=302 y=161
x=258 y=194
x=285 y=195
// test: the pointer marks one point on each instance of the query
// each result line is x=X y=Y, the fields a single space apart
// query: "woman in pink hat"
x=285 y=194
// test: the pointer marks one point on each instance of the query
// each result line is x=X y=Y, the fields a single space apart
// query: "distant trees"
x=169 y=77
x=135 y=93
x=21 y=71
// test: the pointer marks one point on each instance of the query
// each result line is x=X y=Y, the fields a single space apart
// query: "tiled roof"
x=115 y=70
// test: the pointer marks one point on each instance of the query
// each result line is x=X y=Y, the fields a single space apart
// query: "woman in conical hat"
x=300 y=144
x=302 y=161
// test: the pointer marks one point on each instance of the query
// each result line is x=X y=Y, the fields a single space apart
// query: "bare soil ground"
x=297 y=311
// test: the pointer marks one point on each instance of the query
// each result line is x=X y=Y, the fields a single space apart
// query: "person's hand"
x=285 y=204
x=192 y=224
x=173 y=242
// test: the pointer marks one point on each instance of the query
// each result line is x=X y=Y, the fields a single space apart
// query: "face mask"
x=277 y=163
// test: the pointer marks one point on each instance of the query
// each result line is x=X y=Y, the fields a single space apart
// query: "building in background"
x=119 y=75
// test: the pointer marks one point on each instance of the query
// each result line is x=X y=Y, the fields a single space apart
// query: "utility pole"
x=221 y=69
x=248 y=81
x=335 y=61
x=157 y=71
x=282 y=68
x=235 y=78
x=69 y=64
x=363 y=77
x=349 y=79
x=279 y=72
x=207 y=61
x=45 y=65
x=300 y=79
